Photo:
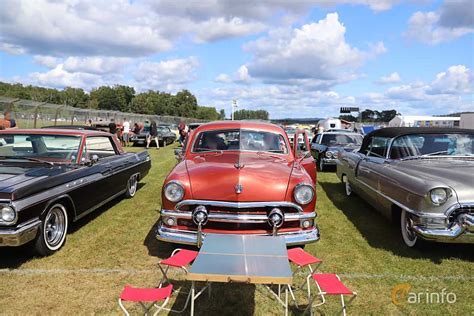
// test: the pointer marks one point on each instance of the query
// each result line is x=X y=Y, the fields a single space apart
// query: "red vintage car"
x=240 y=178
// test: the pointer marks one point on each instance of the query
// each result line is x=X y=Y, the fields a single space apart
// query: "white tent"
x=424 y=121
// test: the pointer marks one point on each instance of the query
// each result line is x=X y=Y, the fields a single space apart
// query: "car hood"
x=214 y=176
x=15 y=176
x=455 y=173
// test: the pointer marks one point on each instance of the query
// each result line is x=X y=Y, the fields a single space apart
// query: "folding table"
x=242 y=258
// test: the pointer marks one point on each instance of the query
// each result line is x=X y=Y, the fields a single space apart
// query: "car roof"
x=55 y=131
x=391 y=132
x=341 y=132
x=216 y=125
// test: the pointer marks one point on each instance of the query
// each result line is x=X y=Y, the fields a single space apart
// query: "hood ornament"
x=238 y=188
x=239 y=165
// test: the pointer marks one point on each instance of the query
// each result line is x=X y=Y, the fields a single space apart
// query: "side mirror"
x=94 y=159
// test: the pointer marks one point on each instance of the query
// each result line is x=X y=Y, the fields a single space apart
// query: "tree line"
x=117 y=98
x=369 y=115
x=251 y=115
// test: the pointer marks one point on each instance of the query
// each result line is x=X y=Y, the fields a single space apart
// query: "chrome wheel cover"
x=55 y=227
x=132 y=185
x=409 y=236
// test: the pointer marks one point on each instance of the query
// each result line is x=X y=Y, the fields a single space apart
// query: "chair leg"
x=192 y=298
x=161 y=307
x=165 y=276
x=343 y=305
x=123 y=308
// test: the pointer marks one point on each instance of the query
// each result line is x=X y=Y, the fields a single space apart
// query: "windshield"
x=341 y=139
x=290 y=130
x=432 y=145
x=39 y=146
x=238 y=139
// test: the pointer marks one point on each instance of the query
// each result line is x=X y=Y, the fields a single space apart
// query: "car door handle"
x=108 y=170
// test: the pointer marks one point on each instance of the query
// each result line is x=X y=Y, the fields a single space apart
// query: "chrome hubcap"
x=409 y=228
x=55 y=227
x=132 y=185
x=348 y=187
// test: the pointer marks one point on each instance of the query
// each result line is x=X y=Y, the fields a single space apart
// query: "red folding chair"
x=180 y=258
x=302 y=259
x=328 y=284
x=142 y=295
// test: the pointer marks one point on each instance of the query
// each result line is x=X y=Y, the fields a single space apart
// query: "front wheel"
x=53 y=230
x=408 y=234
x=348 y=186
x=320 y=165
x=132 y=186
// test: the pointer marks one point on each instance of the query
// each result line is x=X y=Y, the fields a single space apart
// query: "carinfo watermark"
x=402 y=293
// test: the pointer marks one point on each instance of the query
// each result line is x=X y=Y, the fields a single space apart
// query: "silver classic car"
x=422 y=178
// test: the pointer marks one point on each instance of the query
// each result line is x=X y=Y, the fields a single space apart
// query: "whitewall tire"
x=53 y=230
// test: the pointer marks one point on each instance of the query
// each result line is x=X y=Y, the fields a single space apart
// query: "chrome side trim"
x=190 y=237
x=19 y=235
x=406 y=208
x=239 y=204
x=239 y=218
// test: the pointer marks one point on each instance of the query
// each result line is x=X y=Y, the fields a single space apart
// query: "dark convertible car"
x=52 y=177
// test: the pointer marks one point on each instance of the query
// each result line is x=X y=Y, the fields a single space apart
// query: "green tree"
x=74 y=97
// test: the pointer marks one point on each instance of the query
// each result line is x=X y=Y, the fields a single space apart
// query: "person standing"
x=126 y=131
x=153 y=135
x=8 y=116
x=182 y=132
x=112 y=127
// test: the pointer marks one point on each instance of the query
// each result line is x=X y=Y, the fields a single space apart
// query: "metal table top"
x=242 y=258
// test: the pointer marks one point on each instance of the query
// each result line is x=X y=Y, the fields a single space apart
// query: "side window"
x=317 y=139
x=100 y=145
x=378 y=147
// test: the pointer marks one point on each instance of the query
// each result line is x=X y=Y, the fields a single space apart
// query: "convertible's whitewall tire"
x=53 y=230
x=409 y=236
x=321 y=165
x=132 y=186
x=347 y=186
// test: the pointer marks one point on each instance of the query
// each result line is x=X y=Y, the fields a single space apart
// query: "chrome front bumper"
x=19 y=235
x=190 y=237
x=462 y=231
x=329 y=161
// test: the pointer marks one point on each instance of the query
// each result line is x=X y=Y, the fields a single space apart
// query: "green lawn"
x=116 y=246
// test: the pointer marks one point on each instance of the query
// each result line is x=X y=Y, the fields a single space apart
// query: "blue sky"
x=303 y=58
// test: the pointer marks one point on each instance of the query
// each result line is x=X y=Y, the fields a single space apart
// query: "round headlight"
x=304 y=193
x=7 y=214
x=439 y=196
x=174 y=191
x=329 y=154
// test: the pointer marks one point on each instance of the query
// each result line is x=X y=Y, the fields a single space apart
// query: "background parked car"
x=165 y=137
x=422 y=178
x=326 y=146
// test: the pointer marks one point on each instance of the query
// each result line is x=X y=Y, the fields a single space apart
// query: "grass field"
x=116 y=246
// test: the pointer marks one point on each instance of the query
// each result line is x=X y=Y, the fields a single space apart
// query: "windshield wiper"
x=435 y=153
x=27 y=158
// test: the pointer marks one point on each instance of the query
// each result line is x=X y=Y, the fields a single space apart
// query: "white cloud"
x=223 y=78
x=60 y=78
x=166 y=75
x=416 y=97
x=96 y=65
x=88 y=27
x=47 y=61
x=453 y=20
x=456 y=80
x=243 y=74
x=219 y=28
x=394 y=77
x=316 y=53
